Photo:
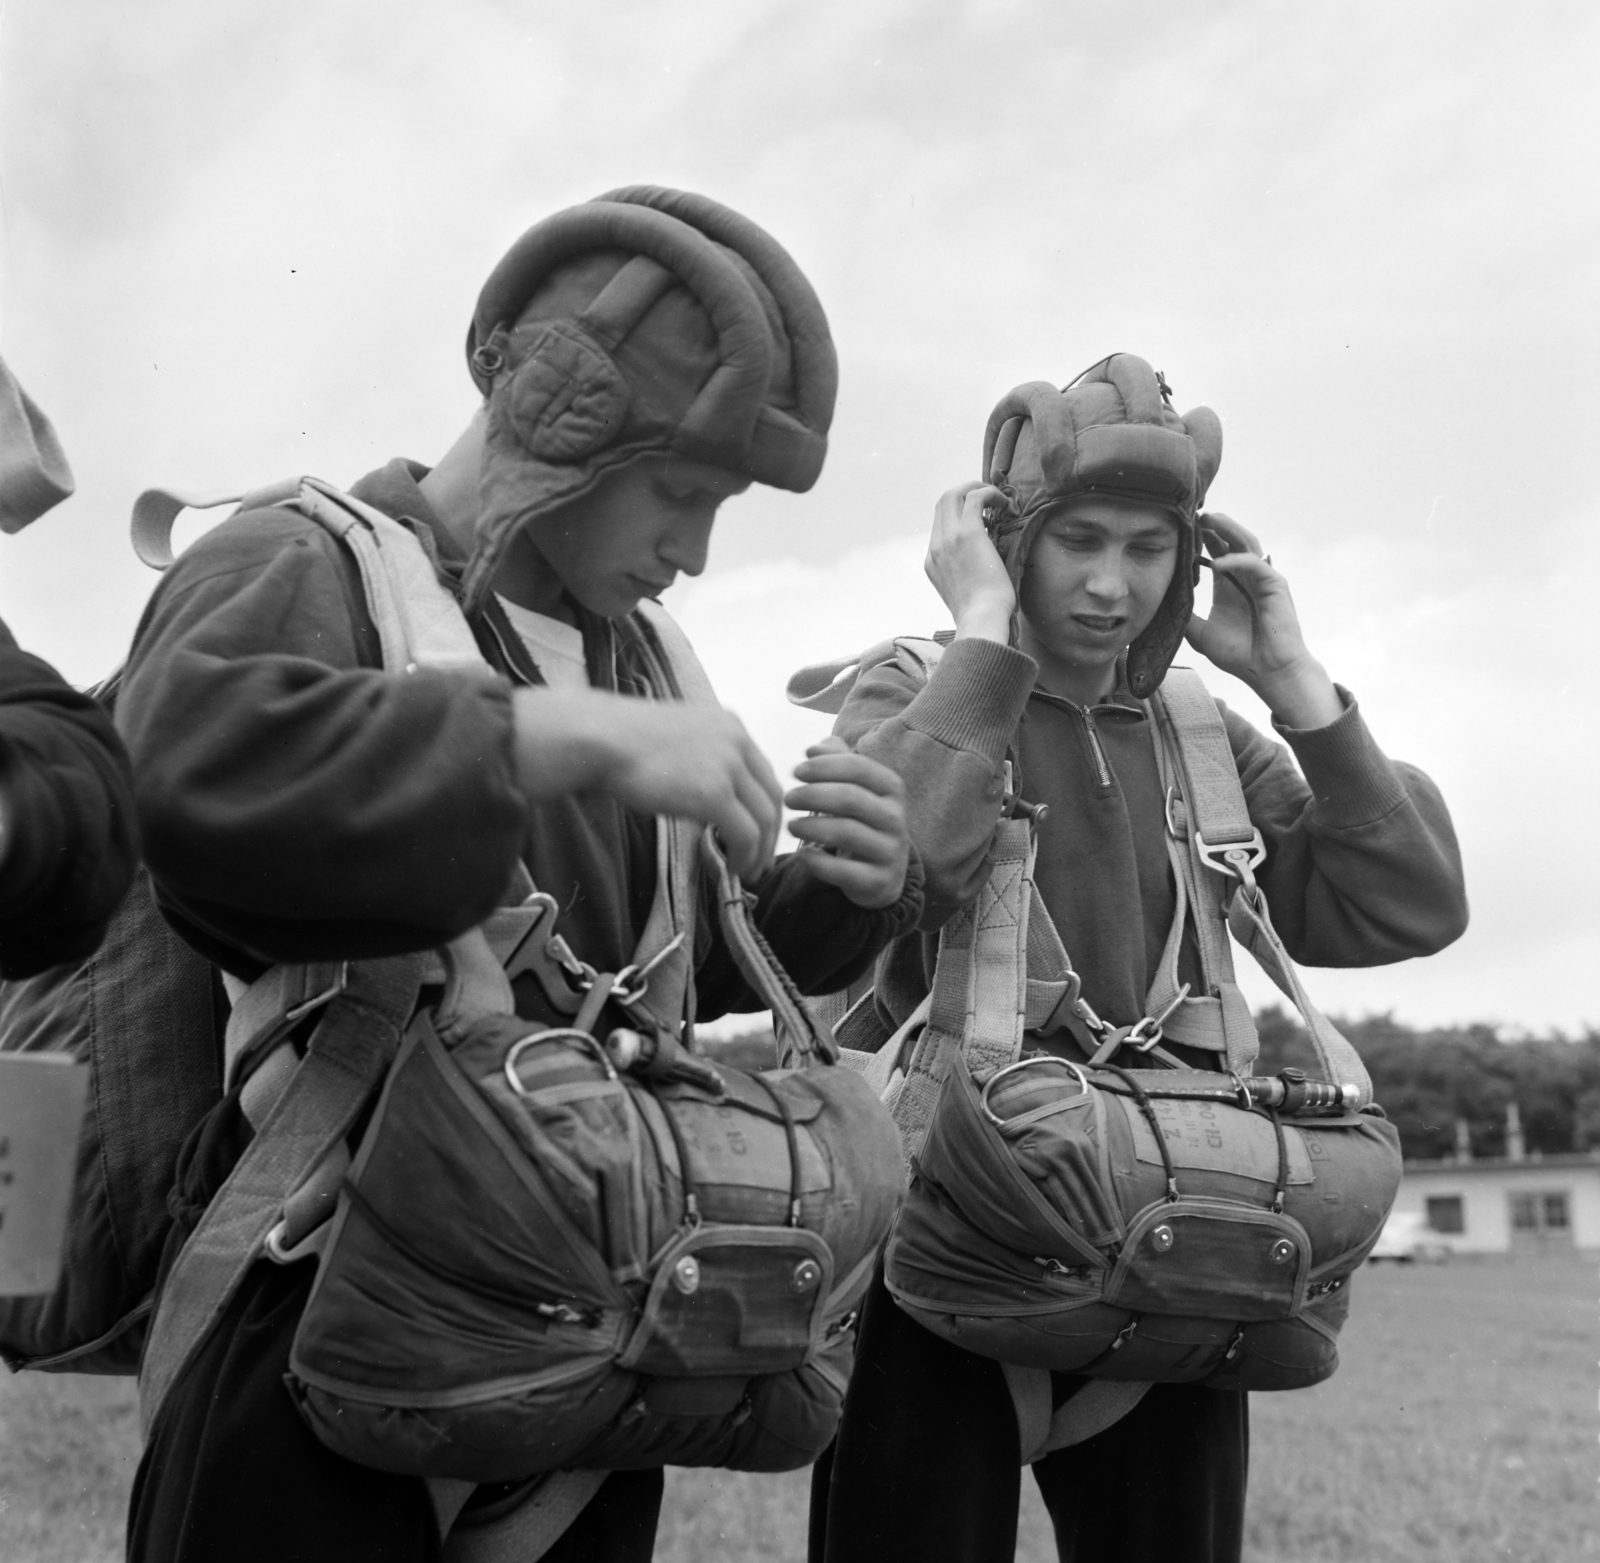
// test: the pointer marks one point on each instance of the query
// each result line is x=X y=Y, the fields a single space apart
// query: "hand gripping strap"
x=1216 y=818
x=358 y=1035
x=979 y=1001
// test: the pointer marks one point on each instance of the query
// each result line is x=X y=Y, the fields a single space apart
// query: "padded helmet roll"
x=646 y=320
x=1112 y=431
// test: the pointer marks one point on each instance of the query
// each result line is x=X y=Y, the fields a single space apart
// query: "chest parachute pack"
x=1129 y=1218
x=555 y=1249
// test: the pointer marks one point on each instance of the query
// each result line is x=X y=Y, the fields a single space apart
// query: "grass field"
x=1461 y=1429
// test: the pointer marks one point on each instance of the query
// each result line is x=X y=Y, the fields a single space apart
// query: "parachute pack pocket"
x=1212 y=1258
x=733 y=1300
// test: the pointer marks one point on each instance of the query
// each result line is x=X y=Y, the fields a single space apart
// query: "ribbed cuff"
x=975 y=697
x=1352 y=779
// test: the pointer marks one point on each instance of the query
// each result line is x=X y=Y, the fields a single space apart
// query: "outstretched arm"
x=68 y=843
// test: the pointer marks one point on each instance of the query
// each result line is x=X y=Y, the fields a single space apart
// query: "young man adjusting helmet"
x=1070 y=577
x=643 y=358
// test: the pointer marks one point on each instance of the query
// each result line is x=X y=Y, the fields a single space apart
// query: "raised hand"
x=857 y=817
x=965 y=568
x=654 y=757
x=1253 y=631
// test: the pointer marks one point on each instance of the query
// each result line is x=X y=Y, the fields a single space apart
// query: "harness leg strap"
x=1089 y=1411
x=528 y=1531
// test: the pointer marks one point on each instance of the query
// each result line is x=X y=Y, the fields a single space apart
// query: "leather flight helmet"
x=1111 y=431
x=646 y=320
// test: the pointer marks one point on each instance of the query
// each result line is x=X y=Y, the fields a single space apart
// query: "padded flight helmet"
x=645 y=320
x=1111 y=431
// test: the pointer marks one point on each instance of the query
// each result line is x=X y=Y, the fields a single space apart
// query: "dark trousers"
x=231 y=1474
x=926 y=1467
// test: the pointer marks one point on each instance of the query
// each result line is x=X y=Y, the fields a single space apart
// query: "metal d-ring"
x=1011 y=1069
x=555 y=1034
x=633 y=981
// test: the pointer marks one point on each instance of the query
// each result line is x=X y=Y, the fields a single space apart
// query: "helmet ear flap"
x=566 y=398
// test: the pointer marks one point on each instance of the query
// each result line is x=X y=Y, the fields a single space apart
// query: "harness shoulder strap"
x=358 y=1035
x=978 y=1006
x=1222 y=844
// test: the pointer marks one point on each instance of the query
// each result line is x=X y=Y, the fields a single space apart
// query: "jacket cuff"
x=975 y=697
x=1351 y=778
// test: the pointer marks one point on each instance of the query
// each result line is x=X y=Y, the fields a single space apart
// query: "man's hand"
x=965 y=568
x=857 y=816
x=654 y=757
x=1254 y=632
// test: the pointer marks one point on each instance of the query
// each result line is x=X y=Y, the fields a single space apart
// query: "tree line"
x=1426 y=1080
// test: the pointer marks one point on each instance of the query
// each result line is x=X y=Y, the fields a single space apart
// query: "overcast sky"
x=242 y=240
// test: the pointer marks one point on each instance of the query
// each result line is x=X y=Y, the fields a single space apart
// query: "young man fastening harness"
x=1070 y=577
x=313 y=796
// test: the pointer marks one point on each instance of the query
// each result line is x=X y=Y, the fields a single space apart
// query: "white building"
x=1497 y=1204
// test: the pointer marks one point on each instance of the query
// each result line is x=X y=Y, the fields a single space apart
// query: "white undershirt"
x=555 y=646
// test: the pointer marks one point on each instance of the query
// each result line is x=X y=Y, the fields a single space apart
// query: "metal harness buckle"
x=317 y=1000
x=549 y=958
x=1235 y=859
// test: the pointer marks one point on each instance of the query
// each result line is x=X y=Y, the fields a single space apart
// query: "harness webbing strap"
x=797 y=1028
x=1089 y=1410
x=1212 y=797
x=979 y=1002
x=358 y=1035
x=419 y=623
x=523 y=1534
x=1252 y=927
x=1214 y=808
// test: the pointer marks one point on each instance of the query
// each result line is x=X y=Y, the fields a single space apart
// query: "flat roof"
x=1530 y=1163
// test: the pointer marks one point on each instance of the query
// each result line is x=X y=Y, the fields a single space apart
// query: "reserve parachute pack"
x=1131 y=1218
x=556 y=1249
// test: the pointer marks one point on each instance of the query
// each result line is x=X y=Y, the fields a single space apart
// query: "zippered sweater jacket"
x=1362 y=866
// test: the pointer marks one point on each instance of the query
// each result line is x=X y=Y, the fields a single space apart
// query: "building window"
x=1445 y=1213
x=1545 y=1211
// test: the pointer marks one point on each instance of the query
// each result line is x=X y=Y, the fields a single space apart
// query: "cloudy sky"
x=244 y=240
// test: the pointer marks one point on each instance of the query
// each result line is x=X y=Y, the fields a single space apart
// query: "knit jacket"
x=1362 y=866
x=299 y=803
